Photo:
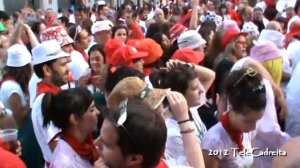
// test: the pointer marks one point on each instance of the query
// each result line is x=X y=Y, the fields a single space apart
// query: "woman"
x=14 y=88
x=74 y=112
x=189 y=81
x=224 y=142
x=120 y=31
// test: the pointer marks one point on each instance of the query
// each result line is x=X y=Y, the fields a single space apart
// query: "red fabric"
x=44 y=87
x=9 y=160
x=86 y=150
x=270 y=3
x=185 y=18
x=111 y=46
x=162 y=164
x=236 y=136
x=4 y=145
x=236 y=17
x=135 y=32
x=188 y=55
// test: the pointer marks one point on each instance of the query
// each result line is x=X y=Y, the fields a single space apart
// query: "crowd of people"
x=208 y=83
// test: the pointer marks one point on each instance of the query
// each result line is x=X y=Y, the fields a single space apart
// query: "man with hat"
x=103 y=10
x=191 y=39
x=51 y=65
x=102 y=31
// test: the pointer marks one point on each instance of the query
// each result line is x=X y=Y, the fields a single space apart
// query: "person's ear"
x=73 y=119
x=135 y=160
x=47 y=71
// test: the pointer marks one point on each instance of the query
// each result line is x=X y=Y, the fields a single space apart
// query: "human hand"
x=100 y=163
x=171 y=64
x=178 y=105
x=83 y=81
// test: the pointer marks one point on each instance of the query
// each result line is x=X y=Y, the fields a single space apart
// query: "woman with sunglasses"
x=228 y=144
x=74 y=112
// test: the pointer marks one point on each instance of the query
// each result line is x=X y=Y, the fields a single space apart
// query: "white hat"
x=101 y=2
x=47 y=51
x=18 y=56
x=262 y=5
x=103 y=25
x=190 y=39
x=250 y=28
x=270 y=36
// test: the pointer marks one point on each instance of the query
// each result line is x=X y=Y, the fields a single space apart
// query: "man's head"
x=103 y=10
x=81 y=37
x=102 y=30
x=132 y=136
x=144 y=14
x=51 y=63
x=247 y=13
x=50 y=17
x=81 y=13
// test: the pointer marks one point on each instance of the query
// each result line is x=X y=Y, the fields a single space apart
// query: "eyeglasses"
x=122 y=119
x=251 y=73
x=78 y=30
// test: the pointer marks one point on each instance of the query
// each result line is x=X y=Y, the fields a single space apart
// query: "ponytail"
x=48 y=108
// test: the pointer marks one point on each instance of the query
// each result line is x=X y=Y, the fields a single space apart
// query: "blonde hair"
x=275 y=68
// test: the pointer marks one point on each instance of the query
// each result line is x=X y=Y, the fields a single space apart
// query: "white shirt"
x=65 y=157
x=43 y=134
x=217 y=140
x=32 y=86
x=78 y=65
x=174 y=152
x=293 y=51
x=8 y=88
x=293 y=104
x=72 y=18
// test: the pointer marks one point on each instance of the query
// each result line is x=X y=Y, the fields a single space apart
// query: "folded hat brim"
x=156 y=97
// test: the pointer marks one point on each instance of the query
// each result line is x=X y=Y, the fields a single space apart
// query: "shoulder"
x=10 y=84
x=215 y=137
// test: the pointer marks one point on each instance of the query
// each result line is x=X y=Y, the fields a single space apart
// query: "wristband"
x=189 y=130
x=184 y=121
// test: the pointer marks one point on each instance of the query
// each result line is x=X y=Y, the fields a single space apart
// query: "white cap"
x=103 y=25
x=18 y=56
x=250 y=28
x=101 y=2
x=272 y=36
x=47 y=51
x=262 y=5
x=190 y=39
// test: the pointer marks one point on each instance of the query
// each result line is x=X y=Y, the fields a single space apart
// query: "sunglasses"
x=78 y=30
x=122 y=119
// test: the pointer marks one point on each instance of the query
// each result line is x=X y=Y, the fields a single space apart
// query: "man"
x=81 y=14
x=50 y=18
x=51 y=65
x=247 y=15
x=135 y=31
x=102 y=31
x=258 y=17
x=136 y=141
x=103 y=10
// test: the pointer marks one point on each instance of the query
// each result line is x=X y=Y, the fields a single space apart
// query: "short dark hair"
x=177 y=78
x=114 y=77
x=20 y=74
x=38 y=69
x=64 y=20
x=4 y=16
x=144 y=132
x=83 y=8
x=297 y=5
x=58 y=108
x=100 y=7
x=245 y=92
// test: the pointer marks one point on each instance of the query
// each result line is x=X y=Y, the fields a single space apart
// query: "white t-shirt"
x=217 y=142
x=8 y=88
x=72 y=18
x=293 y=104
x=78 y=65
x=174 y=152
x=43 y=134
x=65 y=157
x=293 y=51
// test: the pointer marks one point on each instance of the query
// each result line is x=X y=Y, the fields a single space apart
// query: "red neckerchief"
x=86 y=150
x=236 y=136
x=84 y=55
x=44 y=87
x=4 y=145
x=162 y=164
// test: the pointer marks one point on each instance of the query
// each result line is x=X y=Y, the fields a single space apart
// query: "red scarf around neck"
x=44 y=87
x=236 y=136
x=83 y=53
x=86 y=150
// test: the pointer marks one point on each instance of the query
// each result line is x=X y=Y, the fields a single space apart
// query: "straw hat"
x=134 y=87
